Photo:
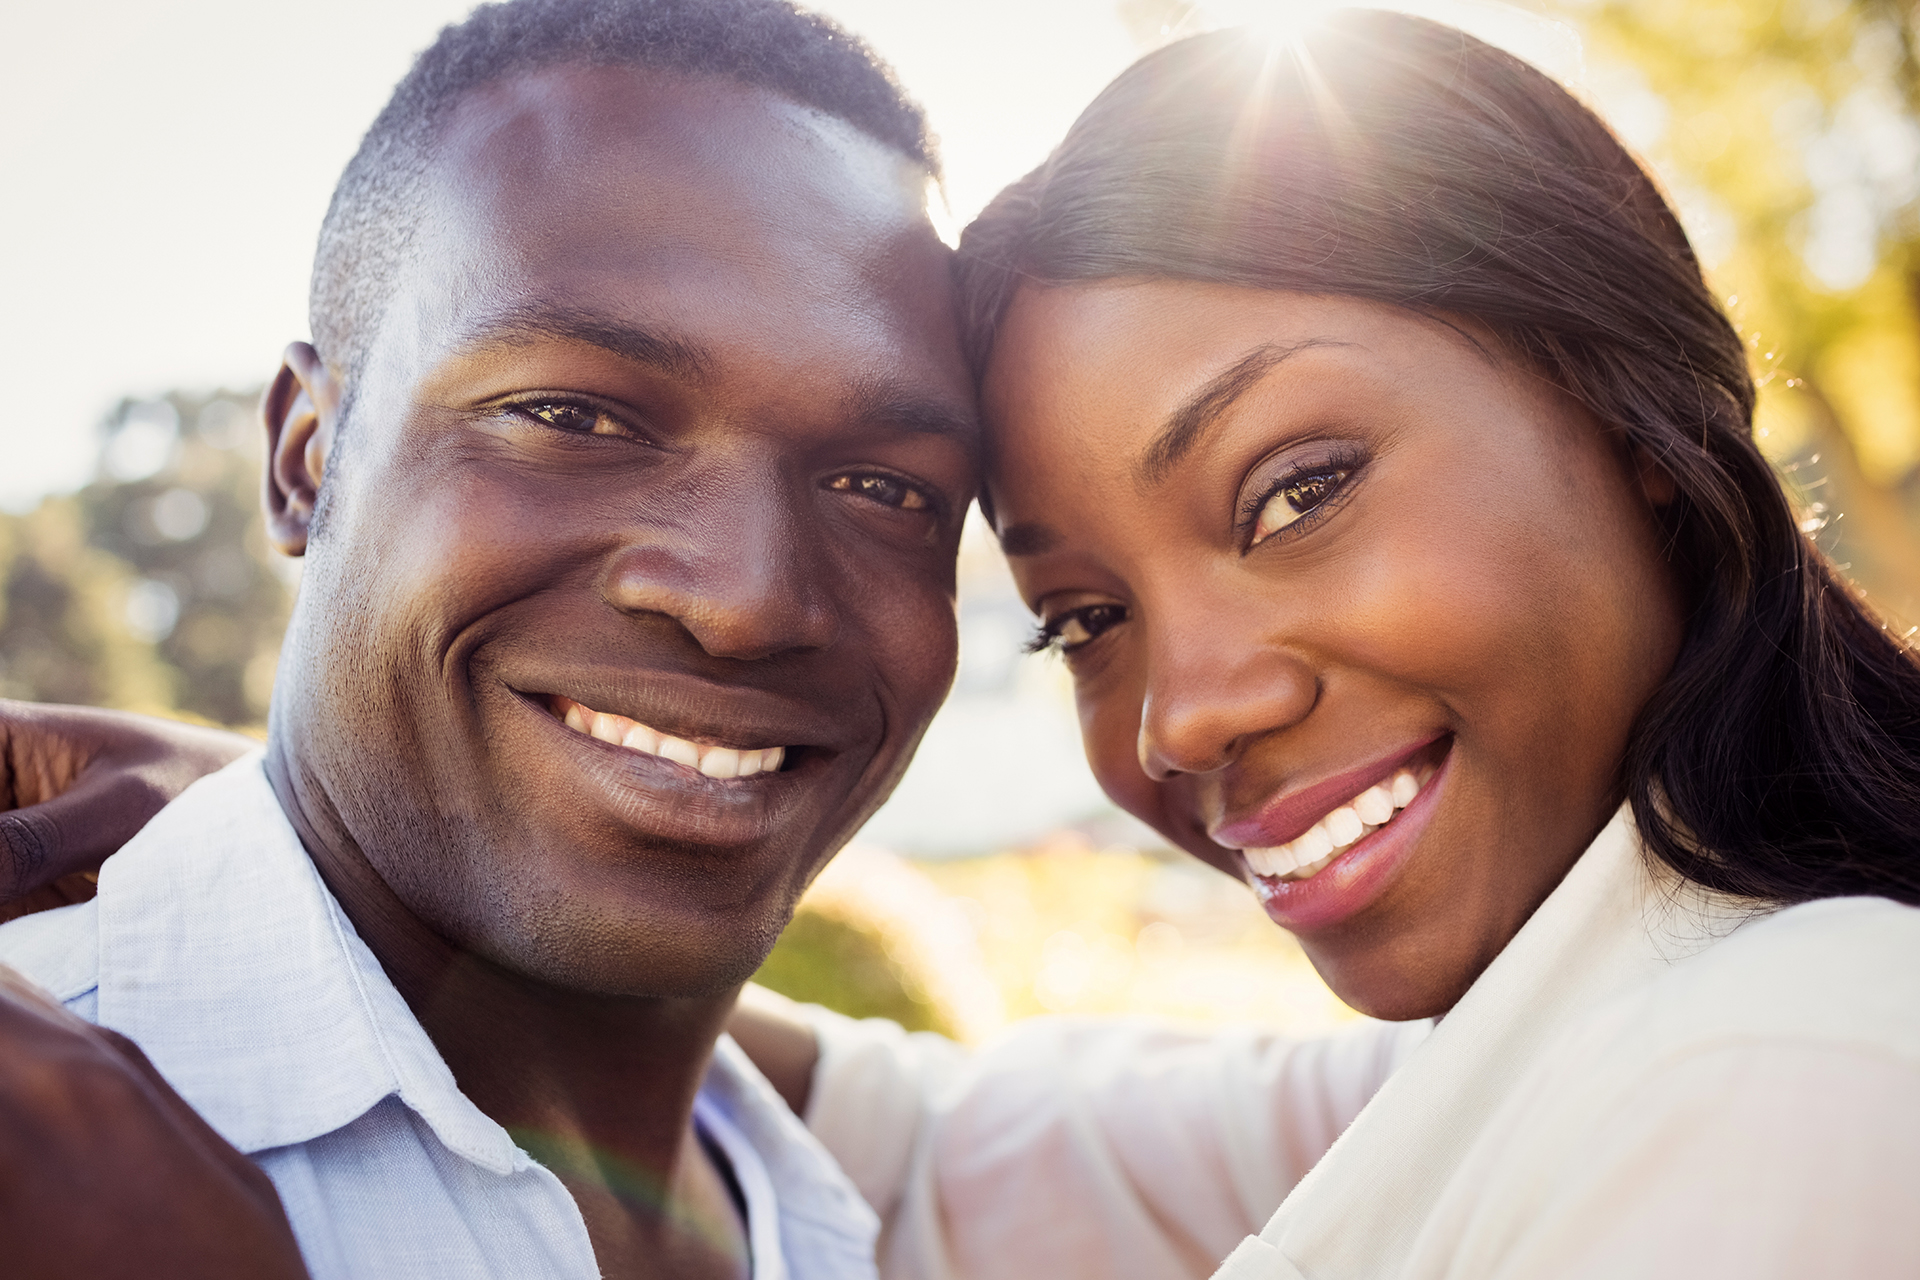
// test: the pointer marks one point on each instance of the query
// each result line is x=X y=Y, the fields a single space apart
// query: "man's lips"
x=625 y=793
x=718 y=760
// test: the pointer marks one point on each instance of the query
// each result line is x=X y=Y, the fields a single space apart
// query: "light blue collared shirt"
x=217 y=948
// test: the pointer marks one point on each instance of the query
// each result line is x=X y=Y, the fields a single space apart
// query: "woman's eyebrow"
x=1030 y=539
x=1186 y=425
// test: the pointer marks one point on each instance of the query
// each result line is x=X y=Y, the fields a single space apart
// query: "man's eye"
x=885 y=490
x=578 y=419
x=1076 y=627
x=1297 y=497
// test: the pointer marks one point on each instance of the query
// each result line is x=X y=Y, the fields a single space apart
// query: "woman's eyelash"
x=1091 y=621
x=1341 y=467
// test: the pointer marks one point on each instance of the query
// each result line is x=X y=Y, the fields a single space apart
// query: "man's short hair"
x=765 y=44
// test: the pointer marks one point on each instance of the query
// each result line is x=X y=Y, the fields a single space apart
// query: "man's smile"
x=712 y=759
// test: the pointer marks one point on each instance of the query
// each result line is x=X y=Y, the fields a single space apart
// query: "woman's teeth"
x=714 y=762
x=1334 y=834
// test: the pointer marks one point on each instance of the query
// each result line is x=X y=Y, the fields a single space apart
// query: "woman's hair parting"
x=1386 y=157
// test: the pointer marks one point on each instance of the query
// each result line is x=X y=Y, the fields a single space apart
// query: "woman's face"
x=1356 y=609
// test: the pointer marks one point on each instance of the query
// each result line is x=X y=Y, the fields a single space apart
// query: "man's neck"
x=599 y=1088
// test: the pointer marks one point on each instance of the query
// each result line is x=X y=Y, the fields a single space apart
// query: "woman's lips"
x=1289 y=817
x=1346 y=826
x=1303 y=886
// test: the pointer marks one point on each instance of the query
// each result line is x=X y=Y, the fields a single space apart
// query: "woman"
x=1365 y=437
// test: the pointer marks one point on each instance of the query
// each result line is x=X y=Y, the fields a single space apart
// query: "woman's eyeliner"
x=1095 y=620
x=1318 y=486
x=1309 y=492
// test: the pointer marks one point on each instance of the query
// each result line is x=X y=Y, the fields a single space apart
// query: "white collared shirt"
x=215 y=946
x=1649 y=1081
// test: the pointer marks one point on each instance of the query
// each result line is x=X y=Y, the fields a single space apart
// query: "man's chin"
x=680 y=952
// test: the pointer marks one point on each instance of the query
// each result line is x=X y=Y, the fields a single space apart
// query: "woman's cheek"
x=1110 y=731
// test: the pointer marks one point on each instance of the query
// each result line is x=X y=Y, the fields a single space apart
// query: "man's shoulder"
x=59 y=949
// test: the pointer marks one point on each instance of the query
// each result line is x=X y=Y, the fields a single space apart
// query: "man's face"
x=667 y=427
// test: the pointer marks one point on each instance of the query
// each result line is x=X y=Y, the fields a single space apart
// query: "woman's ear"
x=1656 y=483
x=301 y=411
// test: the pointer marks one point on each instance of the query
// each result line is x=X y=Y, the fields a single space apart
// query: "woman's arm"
x=771 y=1030
x=1067 y=1148
x=77 y=782
x=107 y=1173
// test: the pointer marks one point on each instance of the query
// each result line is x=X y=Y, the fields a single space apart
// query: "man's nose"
x=1216 y=680
x=735 y=567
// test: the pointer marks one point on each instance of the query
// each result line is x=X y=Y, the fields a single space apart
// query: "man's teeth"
x=715 y=762
x=1334 y=834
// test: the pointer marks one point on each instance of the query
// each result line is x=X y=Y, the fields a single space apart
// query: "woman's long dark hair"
x=1394 y=159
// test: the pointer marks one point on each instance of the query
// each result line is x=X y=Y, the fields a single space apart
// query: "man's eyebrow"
x=885 y=404
x=630 y=341
x=1188 y=424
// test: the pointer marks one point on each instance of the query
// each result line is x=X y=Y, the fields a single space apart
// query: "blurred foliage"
x=153 y=588
x=965 y=945
x=826 y=957
x=63 y=635
x=1788 y=134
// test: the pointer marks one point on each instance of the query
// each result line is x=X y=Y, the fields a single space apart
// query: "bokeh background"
x=164 y=171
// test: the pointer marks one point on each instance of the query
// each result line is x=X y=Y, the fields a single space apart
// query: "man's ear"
x=301 y=412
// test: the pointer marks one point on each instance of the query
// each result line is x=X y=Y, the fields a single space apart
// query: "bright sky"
x=165 y=168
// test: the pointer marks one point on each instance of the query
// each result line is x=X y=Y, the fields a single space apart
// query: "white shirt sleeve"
x=1083 y=1148
x=1746 y=1161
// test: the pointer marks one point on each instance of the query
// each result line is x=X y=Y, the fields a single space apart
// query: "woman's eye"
x=885 y=490
x=1296 y=498
x=577 y=419
x=1076 y=627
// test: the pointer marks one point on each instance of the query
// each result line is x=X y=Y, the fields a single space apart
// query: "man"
x=628 y=463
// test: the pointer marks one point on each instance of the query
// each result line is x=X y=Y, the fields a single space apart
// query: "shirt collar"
x=224 y=956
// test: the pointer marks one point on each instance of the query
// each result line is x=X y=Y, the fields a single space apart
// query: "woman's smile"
x=1356 y=609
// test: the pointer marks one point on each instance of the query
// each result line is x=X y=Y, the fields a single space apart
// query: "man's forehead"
x=689 y=204
x=569 y=142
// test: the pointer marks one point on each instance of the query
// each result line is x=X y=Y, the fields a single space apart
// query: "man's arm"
x=77 y=782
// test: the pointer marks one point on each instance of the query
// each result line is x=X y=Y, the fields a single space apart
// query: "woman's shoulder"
x=1835 y=971
x=1754 y=1110
x=1840 y=976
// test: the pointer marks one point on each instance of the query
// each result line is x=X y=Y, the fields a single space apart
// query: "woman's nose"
x=1212 y=687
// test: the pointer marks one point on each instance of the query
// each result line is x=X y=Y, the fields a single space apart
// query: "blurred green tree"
x=152 y=588
x=832 y=958
x=1788 y=134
